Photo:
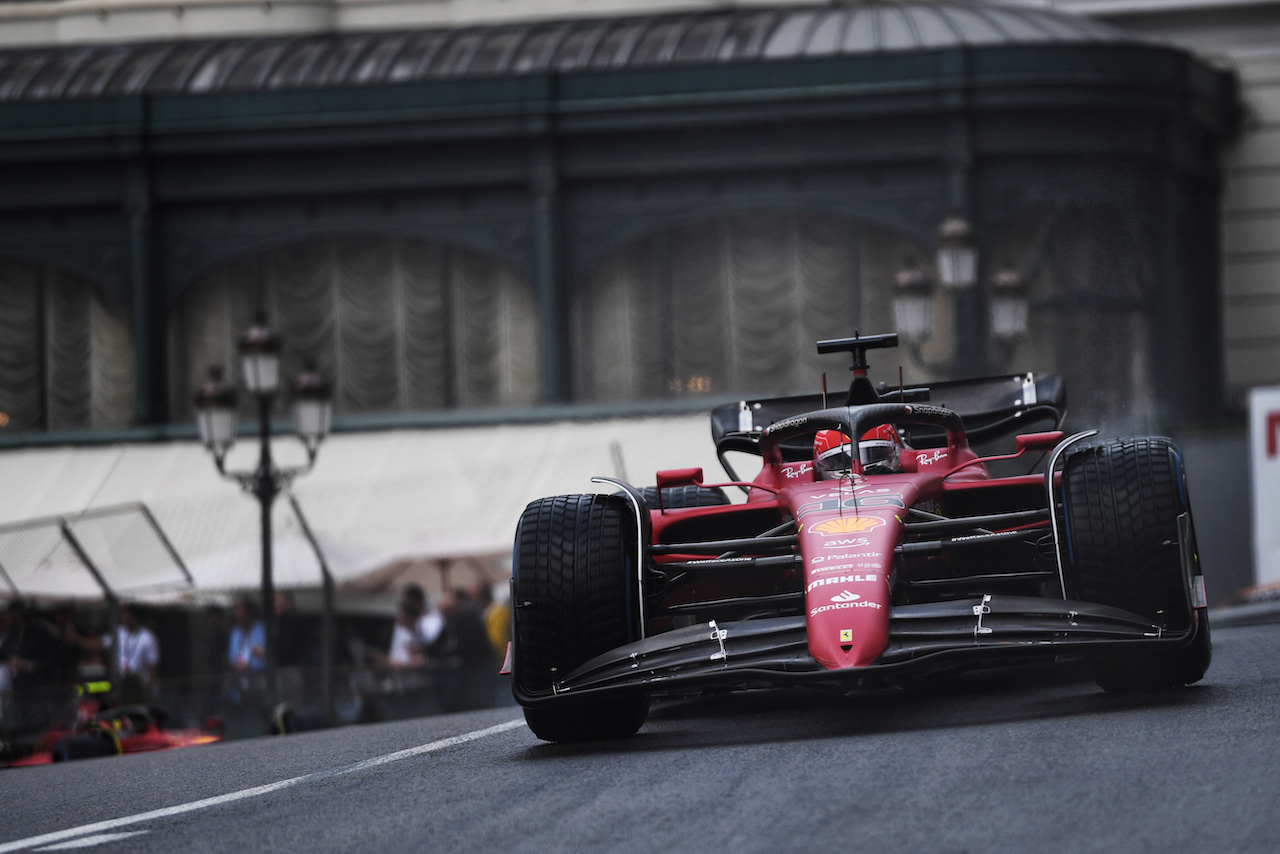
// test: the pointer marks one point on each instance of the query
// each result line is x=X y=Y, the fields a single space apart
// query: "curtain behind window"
x=731 y=306
x=397 y=325
x=66 y=356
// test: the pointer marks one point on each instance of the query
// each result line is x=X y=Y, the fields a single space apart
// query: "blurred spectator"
x=463 y=650
x=136 y=653
x=430 y=622
x=137 y=650
x=497 y=619
x=246 y=652
x=405 y=650
x=246 y=646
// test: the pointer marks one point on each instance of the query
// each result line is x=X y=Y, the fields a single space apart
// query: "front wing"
x=924 y=638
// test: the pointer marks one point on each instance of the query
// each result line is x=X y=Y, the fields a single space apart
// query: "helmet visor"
x=878 y=455
x=836 y=462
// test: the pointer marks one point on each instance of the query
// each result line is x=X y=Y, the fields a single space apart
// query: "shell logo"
x=847 y=525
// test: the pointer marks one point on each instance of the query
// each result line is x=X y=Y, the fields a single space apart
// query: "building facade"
x=613 y=210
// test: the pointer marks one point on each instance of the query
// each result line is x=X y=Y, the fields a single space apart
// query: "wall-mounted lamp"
x=913 y=304
x=1003 y=307
x=957 y=253
x=1010 y=307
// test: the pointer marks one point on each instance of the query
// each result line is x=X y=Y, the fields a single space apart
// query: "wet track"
x=1017 y=760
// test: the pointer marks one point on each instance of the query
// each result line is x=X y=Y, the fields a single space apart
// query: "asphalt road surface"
x=1019 y=760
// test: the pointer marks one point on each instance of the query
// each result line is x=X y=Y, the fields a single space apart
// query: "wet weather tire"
x=1121 y=503
x=86 y=745
x=575 y=598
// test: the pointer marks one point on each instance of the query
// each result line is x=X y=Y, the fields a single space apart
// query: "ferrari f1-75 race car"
x=109 y=732
x=880 y=543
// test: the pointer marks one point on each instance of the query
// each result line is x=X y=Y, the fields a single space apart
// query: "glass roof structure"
x=346 y=59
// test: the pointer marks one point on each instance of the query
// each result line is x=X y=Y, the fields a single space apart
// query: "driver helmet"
x=831 y=454
x=879 y=451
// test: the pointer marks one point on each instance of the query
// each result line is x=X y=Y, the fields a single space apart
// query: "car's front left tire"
x=1122 y=500
x=575 y=597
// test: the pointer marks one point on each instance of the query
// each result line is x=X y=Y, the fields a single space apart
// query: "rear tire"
x=678 y=497
x=86 y=745
x=574 y=577
x=1121 y=503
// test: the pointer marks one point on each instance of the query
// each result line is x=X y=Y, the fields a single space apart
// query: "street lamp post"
x=259 y=351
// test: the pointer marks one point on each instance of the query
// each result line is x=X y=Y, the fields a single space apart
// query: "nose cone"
x=848 y=620
x=847 y=602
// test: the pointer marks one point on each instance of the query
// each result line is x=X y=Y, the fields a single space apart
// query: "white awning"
x=385 y=506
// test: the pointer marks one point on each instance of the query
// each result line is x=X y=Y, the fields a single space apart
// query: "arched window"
x=730 y=307
x=1090 y=310
x=66 y=354
x=398 y=325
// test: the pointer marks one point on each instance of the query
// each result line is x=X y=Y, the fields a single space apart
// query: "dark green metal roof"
x=377 y=58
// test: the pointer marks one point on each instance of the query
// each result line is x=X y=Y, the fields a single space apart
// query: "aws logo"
x=847 y=525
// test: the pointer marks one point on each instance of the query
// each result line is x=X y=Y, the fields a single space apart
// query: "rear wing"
x=992 y=408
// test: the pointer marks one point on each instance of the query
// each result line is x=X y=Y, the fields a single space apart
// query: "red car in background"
x=112 y=732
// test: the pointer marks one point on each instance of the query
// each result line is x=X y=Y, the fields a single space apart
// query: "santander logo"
x=845 y=596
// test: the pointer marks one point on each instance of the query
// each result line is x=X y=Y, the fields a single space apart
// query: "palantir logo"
x=845 y=596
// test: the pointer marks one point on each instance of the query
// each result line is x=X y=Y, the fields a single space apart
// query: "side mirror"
x=1038 y=441
x=679 y=477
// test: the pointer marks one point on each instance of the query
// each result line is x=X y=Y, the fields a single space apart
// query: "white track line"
x=256 y=791
x=92 y=841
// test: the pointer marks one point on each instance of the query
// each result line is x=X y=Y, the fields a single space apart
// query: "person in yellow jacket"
x=497 y=620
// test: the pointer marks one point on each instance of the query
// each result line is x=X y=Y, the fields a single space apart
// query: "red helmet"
x=879 y=451
x=831 y=454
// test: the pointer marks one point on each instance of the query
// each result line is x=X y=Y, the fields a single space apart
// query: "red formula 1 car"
x=878 y=544
x=112 y=732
